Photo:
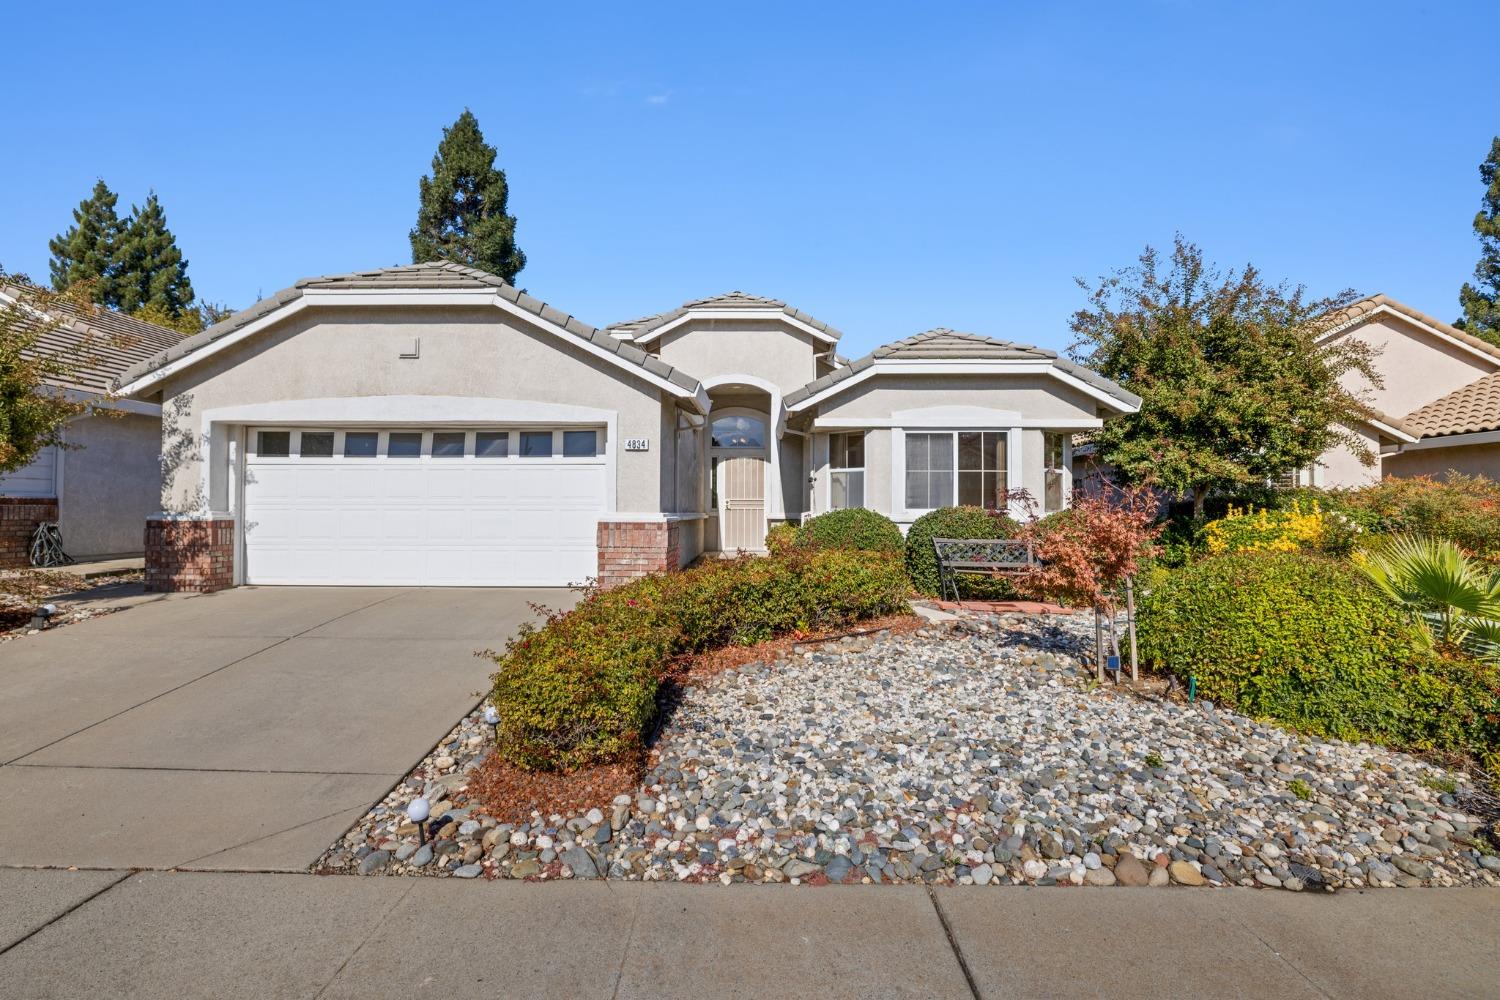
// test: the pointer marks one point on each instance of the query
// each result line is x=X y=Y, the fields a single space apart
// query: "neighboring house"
x=106 y=479
x=432 y=425
x=1439 y=406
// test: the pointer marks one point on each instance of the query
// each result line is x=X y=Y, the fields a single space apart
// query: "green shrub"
x=1308 y=641
x=581 y=687
x=1462 y=509
x=953 y=522
x=781 y=537
x=854 y=528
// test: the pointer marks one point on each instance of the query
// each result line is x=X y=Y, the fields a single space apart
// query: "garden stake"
x=1192 y=688
x=1135 y=672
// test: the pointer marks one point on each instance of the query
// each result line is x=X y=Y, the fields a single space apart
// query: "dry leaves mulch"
x=510 y=794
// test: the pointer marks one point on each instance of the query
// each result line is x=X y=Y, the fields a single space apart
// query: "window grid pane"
x=316 y=444
x=580 y=444
x=404 y=444
x=491 y=444
x=536 y=444
x=360 y=444
x=448 y=444
x=273 y=444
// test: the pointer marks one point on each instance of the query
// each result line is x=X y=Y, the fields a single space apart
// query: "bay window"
x=945 y=468
x=846 y=470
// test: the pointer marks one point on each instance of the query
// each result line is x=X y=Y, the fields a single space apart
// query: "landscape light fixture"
x=418 y=811
x=492 y=719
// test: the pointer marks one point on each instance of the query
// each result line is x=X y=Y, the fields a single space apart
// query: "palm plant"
x=1435 y=580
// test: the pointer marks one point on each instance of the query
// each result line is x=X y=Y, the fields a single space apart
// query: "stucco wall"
x=345 y=352
x=708 y=349
x=1342 y=468
x=1032 y=396
x=111 y=483
x=1471 y=460
x=793 y=477
x=1417 y=367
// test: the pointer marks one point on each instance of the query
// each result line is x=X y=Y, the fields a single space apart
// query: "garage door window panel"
x=404 y=444
x=491 y=444
x=273 y=444
x=361 y=444
x=536 y=444
x=448 y=444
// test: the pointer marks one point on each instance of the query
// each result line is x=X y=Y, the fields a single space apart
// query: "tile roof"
x=436 y=274
x=640 y=328
x=943 y=344
x=1356 y=312
x=104 y=342
x=1475 y=407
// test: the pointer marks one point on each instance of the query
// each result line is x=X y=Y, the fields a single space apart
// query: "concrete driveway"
x=242 y=730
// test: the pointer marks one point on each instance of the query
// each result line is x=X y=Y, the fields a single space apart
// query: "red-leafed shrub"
x=1088 y=550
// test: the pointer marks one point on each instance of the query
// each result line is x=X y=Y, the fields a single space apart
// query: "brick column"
x=628 y=550
x=189 y=553
x=19 y=517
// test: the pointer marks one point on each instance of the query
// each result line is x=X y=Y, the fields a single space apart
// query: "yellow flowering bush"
x=1303 y=527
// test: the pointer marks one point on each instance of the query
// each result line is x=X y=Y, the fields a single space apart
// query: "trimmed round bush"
x=854 y=528
x=952 y=522
x=1308 y=641
x=581 y=687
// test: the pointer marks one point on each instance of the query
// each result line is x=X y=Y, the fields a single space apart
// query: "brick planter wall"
x=19 y=517
x=628 y=550
x=189 y=554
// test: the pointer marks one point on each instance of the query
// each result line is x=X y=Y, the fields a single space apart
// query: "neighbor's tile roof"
x=1356 y=312
x=1475 y=407
x=943 y=344
x=103 y=343
x=639 y=328
x=436 y=274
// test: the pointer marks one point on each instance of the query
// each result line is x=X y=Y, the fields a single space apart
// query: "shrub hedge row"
x=581 y=687
x=1306 y=640
x=954 y=522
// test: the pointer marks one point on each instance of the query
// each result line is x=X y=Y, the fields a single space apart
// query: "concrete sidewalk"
x=220 y=935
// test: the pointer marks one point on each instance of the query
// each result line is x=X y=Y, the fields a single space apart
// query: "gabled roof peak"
x=646 y=327
x=1357 y=312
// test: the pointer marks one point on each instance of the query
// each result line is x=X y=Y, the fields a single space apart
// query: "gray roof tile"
x=436 y=274
x=942 y=344
x=101 y=342
x=641 y=328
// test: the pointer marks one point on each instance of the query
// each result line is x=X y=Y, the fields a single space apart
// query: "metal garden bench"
x=981 y=557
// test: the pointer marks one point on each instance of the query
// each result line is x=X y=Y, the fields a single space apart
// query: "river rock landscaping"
x=979 y=751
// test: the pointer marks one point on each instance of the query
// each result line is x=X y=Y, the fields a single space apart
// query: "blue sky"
x=887 y=168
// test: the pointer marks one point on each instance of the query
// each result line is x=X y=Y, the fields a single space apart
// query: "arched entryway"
x=738 y=456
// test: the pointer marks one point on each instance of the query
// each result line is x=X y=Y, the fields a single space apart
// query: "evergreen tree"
x=86 y=251
x=1481 y=300
x=462 y=217
x=149 y=268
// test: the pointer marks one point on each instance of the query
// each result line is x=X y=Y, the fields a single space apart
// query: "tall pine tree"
x=463 y=215
x=86 y=251
x=1481 y=300
x=150 y=271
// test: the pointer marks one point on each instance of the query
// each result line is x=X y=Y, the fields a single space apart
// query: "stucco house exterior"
x=106 y=479
x=1438 y=409
x=431 y=425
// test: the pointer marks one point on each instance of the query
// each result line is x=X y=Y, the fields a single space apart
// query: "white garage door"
x=445 y=507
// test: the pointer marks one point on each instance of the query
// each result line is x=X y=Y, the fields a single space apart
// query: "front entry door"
x=741 y=486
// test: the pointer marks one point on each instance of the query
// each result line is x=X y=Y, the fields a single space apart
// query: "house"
x=432 y=425
x=1438 y=409
x=106 y=478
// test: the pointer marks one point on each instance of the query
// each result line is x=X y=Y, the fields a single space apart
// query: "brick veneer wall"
x=189 y=554
x=628 y=550
x=19 y=517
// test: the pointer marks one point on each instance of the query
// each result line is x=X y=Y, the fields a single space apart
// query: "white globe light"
x=491 y=717
x=418 y=810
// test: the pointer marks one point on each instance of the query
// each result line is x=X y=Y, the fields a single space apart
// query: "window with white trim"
x=1054 y=475
x=846 y=470
x=945 y=468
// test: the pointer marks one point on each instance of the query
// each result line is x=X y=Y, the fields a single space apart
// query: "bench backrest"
x=984 y=553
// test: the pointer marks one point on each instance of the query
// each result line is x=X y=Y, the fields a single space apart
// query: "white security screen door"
x=423 y=507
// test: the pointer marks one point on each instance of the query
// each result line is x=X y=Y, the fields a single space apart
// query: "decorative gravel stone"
x=979 y=752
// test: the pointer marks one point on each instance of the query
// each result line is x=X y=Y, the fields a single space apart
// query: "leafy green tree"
x=150 y=270
x=462 y=217
x=1235 y=386
x=1481 y=300
x=32 y=413
x=85 y=252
